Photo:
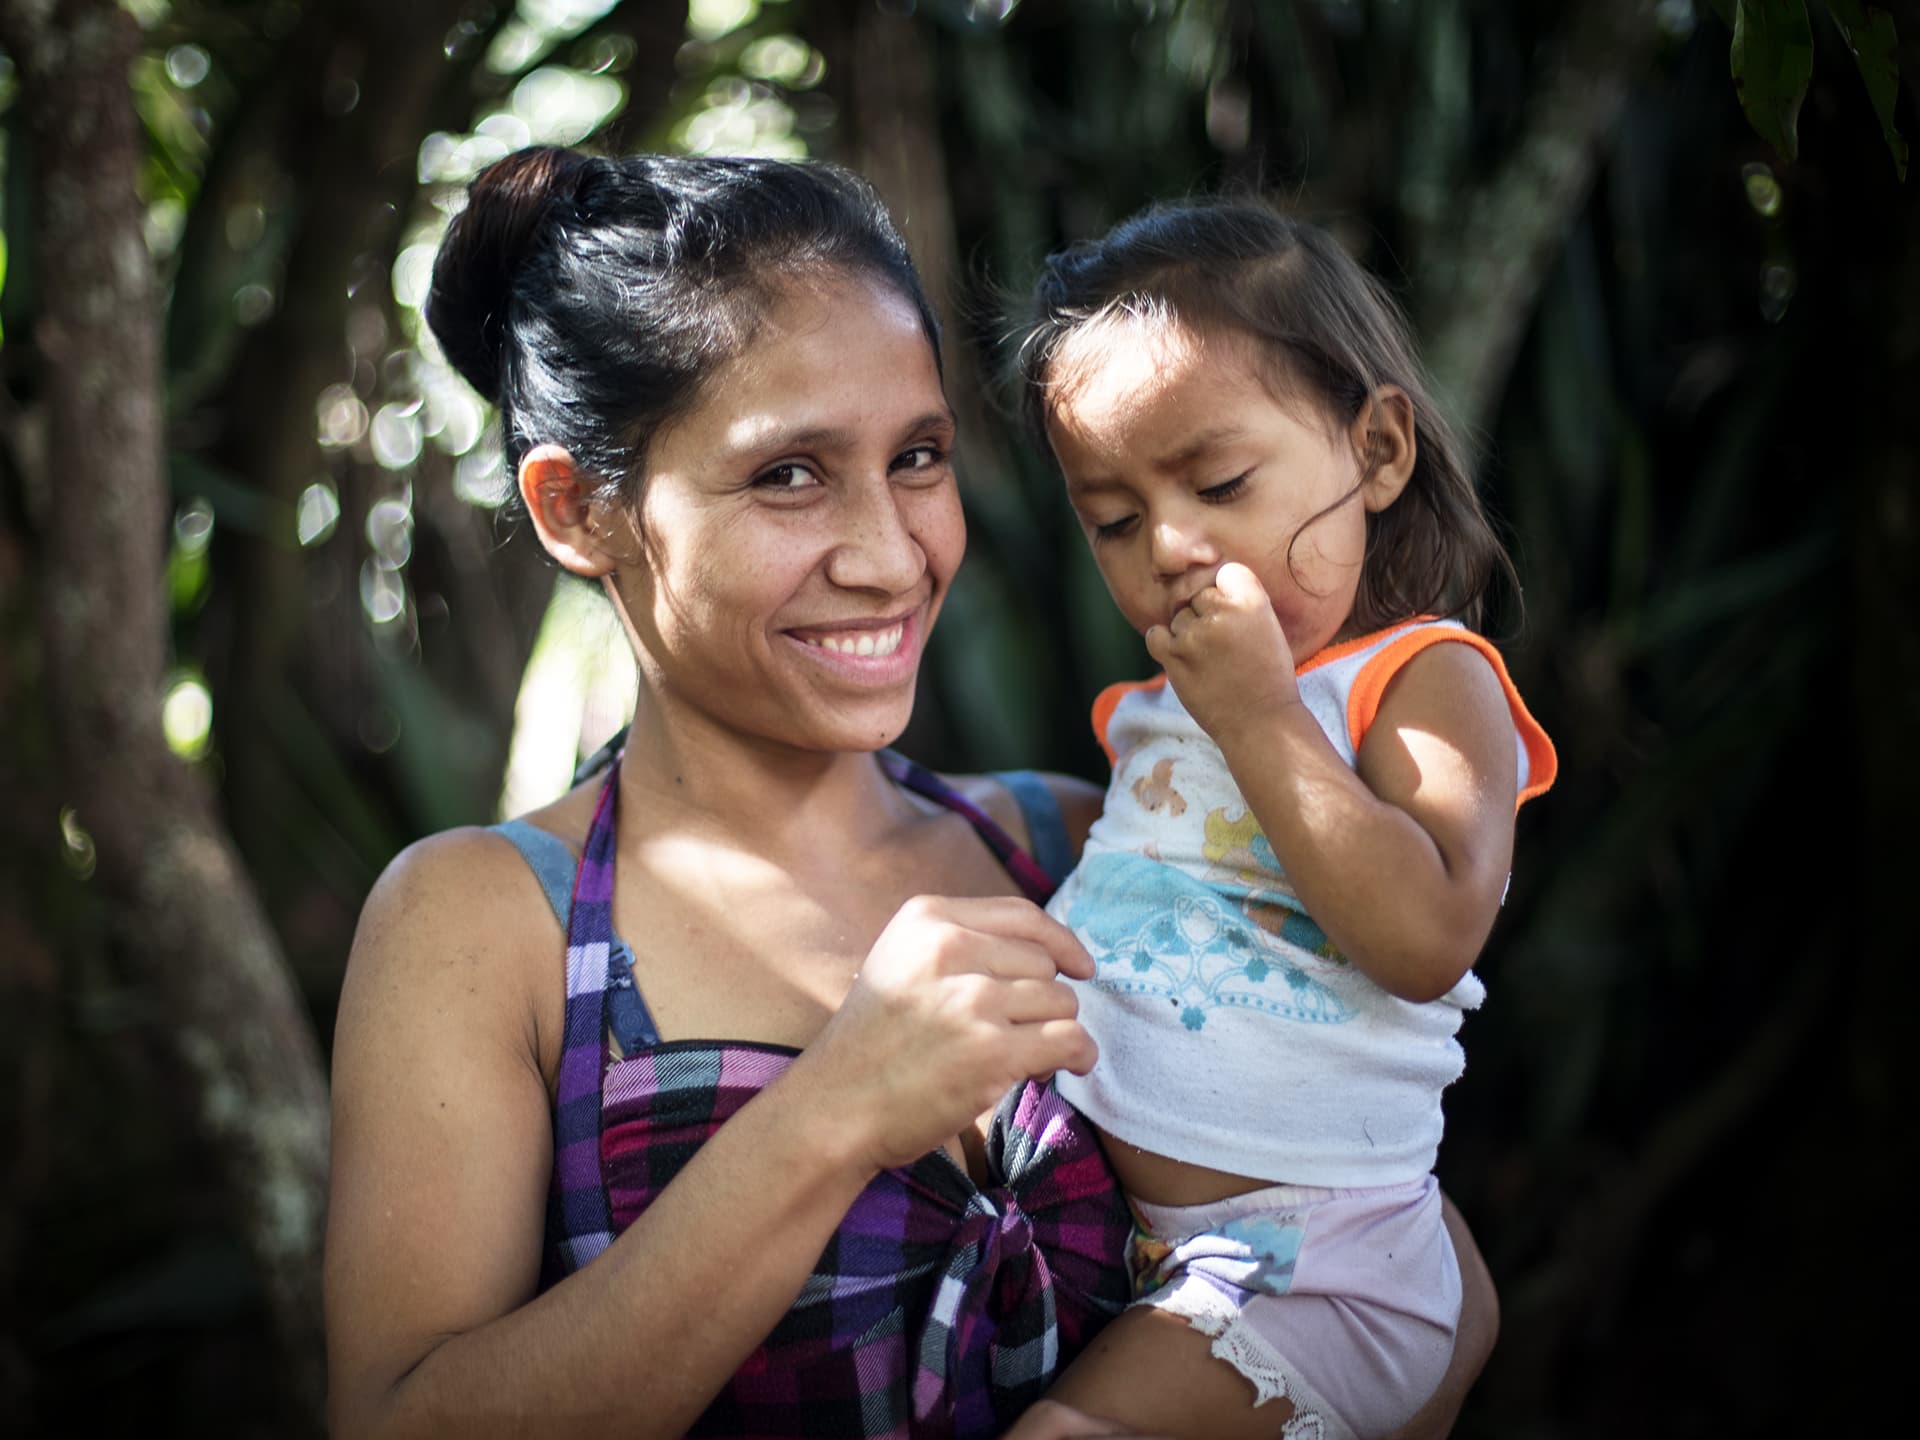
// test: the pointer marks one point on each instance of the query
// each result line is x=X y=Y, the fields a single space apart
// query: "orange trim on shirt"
x=1108 y=700
x=1352 y=647
x=1370 y=687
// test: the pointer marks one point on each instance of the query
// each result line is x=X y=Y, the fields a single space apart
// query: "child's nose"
x=1179 y=544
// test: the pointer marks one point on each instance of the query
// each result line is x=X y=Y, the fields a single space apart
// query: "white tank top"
x=1231 y=1032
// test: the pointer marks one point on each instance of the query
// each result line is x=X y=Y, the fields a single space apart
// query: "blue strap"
x=1046 y=828
x=554 y=867
x=552 y=863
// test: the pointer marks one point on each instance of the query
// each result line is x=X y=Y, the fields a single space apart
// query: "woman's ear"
x=560 y=502
x=1383 y=435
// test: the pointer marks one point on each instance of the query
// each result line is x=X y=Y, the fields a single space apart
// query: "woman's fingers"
x=957 y=1000
x=1040 y=945
x=1031 y=1001
x=1055 y=1045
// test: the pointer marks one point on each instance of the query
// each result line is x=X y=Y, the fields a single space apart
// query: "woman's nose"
x=1178 y=543
x=878 y=549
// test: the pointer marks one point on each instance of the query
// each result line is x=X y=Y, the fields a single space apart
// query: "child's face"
x=1179 y=457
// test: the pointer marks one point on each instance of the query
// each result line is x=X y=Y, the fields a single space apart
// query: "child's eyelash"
x=1225 y=491
x=1114 y=529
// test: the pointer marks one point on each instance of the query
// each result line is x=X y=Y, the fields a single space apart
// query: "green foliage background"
x=1678 y=1135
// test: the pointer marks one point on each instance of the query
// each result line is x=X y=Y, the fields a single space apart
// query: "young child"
x=1310 y=822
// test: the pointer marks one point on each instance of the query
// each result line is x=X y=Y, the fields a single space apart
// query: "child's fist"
x=1225 y=653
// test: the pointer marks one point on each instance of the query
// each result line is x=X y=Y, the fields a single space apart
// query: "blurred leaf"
x=187 y=577
x=16 y=216
x=322 y=791
x=1000 y=721
x=179 y=148
x=443 y=759
x=1772 y=61
x=1729 y=591
x=1876 y=50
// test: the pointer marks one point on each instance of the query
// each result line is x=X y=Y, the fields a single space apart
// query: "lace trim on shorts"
x=1249 y=1353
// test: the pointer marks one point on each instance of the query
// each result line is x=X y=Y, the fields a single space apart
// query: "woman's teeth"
x=867 y=642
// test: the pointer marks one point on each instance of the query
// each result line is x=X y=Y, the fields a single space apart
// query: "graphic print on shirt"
x=1239 y=855
x=1164 y=934
x=1155 y=792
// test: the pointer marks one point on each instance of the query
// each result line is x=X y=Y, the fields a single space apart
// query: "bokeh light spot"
x=341 y=415
x=317 y=512
x=382 y=595
x=187 y=65
x=710 y=19
x=395 y=435
x=1763 y=191
x=186 y=717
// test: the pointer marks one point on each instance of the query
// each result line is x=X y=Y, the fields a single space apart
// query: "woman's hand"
x=958 y=1001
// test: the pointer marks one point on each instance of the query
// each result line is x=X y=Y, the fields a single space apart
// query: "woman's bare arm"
x=443 y=1152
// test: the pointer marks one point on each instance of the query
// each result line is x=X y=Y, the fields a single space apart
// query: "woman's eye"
x=1115 y=529
x=920 y=458
x=1216 y=494
x=791 y=476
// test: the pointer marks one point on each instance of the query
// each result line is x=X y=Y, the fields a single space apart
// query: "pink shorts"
x=1343 y=1301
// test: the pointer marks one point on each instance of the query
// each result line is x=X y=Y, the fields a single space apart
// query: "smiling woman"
x=791 y=1164
x=817 y=462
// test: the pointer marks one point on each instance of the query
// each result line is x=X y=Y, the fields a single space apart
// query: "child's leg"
x=1156 y=1374
x=1334 y=1308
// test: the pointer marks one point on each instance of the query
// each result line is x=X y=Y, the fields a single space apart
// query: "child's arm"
x=1403 y=862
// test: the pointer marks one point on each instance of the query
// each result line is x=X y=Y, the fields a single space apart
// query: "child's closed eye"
x=1225 y=491
x=1113 y=529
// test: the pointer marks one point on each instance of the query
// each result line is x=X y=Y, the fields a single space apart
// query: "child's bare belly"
x=1159 y=1180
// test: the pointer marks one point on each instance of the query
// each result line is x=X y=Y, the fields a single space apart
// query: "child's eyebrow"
x=1199 y=446
x=1192 y=449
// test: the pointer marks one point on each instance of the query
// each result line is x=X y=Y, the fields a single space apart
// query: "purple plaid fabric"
x=938 y=1308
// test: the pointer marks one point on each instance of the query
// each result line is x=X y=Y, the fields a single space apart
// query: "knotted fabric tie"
x=1049 y=1233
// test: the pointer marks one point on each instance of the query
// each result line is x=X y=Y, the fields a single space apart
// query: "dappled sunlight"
x=579 y=688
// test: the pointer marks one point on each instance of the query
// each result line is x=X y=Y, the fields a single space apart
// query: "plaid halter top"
x=939 y=1308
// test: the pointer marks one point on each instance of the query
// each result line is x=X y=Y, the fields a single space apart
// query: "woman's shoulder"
x=458 y=932
x=453 y=897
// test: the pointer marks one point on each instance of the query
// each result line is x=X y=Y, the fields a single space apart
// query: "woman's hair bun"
x=485 y=246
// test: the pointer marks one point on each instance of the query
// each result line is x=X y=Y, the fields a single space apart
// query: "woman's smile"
x=799 y=561
x=875 y=652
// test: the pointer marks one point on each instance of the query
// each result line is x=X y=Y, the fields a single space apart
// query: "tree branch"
x=1483 y=271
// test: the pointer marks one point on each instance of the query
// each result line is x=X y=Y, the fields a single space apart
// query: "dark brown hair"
x=589 y=297
x=1332 y=334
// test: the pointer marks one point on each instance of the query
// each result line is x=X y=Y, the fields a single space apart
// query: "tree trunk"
x=180 y=898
